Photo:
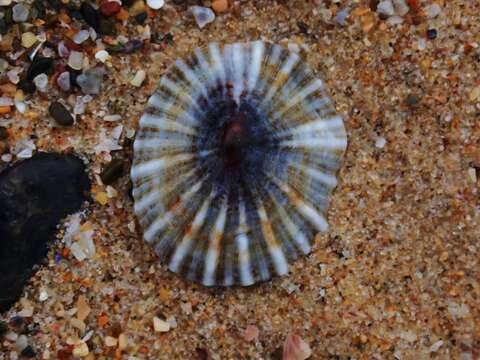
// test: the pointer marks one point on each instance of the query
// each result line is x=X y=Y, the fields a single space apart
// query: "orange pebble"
x=220 y=6
x=5 y=109
x=102 y=320
x=122 y=15
x=63 y=17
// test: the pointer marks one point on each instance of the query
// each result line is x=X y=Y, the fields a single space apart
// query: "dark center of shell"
x=240 y=142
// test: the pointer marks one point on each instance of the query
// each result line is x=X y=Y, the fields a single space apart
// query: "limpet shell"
x=234 y=163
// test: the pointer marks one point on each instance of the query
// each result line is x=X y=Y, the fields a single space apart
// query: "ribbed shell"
x=231 y=235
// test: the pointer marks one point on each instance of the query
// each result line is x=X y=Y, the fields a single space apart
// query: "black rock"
x=140 y=18
x=3 y=329
x=27 y=86
x=55 y=4
x=112 y=172
x=28 y=352
x=60 y=114
x=73 y=76
x=106 y=27
x=431 y=34
x=3 y=27
x=3 y=133
x=35 y=195
x=39 y=66
x=90 y=14
x=40 y=8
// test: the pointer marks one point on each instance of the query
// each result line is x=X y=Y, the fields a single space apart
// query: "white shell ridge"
x=234 y=163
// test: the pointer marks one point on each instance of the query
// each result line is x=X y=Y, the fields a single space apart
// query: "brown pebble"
x=220 y=6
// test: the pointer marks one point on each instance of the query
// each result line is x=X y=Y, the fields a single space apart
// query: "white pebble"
x=81 y=36
x=11 y=336
x=80 y=350
x=78 y=252
x=114 y=117
x=41 y=82
x=63 y=51
x=203 y=15
x=20 y=106
x=6 y=101
x=43 y=295
x=5 y=2
x=385 y=8
x=160 y=325
x=110 y=341
x=138 y=78
x=13 y=76
x=111 y=192
x=21 y=343
x=7 y=158
x=421 y=44
x=341 y=16
x=155 y=4
x=472 y=174
x=102 y=55
x=380 y=143
x=75 y=60
x=433 y=10
x=435 y=346
x=63 y=81
x=401 y=7
x=395 y=20
x=27 y=312
x=19 y=13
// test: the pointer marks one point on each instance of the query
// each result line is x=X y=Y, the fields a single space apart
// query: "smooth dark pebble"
x=55 y=4
x=28 y=352
x=3 y=328
x=7 y=15
x=106 y=27
x=40 y=8
x=3 y=27
x=412 y=100
x=89 y=14
x=112 y=172
x=27 y=86
x=40 y=65
x=277 y=354
x=201 y=353
x=17 y=321
x=35 y=194
x=302 y=27
x=3 y=133
x=60 y=114
x=73 y=76
x=75 y=14
x=431 y=34
x=132 y=46
x=115 y=48
x=140 y=18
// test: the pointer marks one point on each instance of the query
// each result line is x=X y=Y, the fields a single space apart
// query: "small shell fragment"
x=234 y=163
x=202 y=15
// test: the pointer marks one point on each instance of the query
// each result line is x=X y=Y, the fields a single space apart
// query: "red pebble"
x=109 y=8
